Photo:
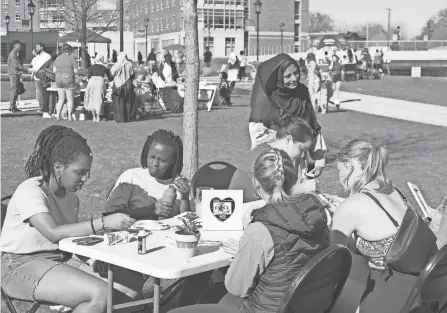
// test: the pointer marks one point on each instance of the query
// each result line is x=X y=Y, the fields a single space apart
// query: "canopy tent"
x=91 y=37
x=174 y=47
x=329 y=41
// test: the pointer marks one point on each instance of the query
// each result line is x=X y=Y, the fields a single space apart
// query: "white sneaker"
x=46 y=115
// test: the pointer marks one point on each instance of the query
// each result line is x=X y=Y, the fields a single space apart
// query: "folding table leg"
x=156 y=295
x=109 y=288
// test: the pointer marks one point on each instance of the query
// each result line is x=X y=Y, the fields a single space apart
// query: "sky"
x=410 y=15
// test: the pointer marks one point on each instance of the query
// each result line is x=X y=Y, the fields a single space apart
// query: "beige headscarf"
x=121 y=70
x=99 y=59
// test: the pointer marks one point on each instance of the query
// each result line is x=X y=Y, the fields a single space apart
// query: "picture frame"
x=222 y=210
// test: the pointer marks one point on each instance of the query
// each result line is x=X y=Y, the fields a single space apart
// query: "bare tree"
x=78 y=13
x=320 y=22
x=439 y=20
x=190 y=117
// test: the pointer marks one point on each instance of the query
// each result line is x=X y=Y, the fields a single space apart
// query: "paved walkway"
x=400 y=109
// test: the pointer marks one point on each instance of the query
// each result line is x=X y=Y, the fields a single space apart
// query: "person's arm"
x=345 y=221
x=318 y=153
x=89 y=72
x=39 y=216
x=108 y=74
x=254 y=255
x=160 y=72
x=74 y=65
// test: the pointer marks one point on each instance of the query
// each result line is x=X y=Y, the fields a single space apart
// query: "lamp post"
x=258 y=7
x=121 y=25
x=146 y=25
x=7 y=19
x=31 y=10
x=281 y=28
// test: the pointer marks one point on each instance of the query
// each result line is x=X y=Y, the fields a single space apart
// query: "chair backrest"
x=4 y=209
x=207 y=176
x=431 y=284
x=319 y=283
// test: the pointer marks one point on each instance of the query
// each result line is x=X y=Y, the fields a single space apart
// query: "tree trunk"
x=190 y=117
x=83 y=43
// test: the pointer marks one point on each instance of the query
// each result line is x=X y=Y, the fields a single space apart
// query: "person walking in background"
x=167 y=70
x=140 y=58
x=152 y=58
x=123 y=91
x=114 y=56
x=207 y=56
x=96 y=87
x=15 y=69
x=243 y=65
x=224 y=87
x=233 y=70
x=37 y=63
x=313 y=80
x=66 y=69
x=335 y=69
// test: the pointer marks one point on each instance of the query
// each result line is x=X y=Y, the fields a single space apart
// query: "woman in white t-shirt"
x=139 y=191
x=43 y=211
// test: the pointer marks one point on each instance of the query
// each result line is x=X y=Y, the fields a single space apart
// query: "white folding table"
x=161 y=262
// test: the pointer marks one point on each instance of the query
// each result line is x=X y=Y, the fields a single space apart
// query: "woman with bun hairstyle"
x=283 y=236
x=294 y=136
x=277 y=91
x=43 y=211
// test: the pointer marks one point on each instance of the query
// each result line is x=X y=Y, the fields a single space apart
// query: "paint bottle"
x=142 y=242
x=169 y=195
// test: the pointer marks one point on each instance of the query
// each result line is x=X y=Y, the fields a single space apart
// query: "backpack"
x=414 y=244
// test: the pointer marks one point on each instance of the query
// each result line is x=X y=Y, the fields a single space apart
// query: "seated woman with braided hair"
x=43 y=211
x=138 y=191
x=282 y=237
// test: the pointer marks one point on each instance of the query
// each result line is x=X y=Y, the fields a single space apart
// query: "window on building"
x=157 y=5
x=209 y=42
x=5 y=3
x=173 y=22
x=297 y=32
x=152 y=27
x=17 y=3
x=229 y=45
x=18 y=17
x=167 y=4
x=161 y=4
x=157 y=26
x=152 y=5
x=297 y=48
x=172 y=3
x=297 y=10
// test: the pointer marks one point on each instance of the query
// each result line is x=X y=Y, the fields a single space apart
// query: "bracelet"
x=102 y=223
x=93 y=228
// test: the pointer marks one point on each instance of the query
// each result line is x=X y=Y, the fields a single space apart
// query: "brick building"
x=19 y=15
x=224 y=25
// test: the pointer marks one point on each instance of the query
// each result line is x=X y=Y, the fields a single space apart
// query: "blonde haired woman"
x=283 y=236
x=362 y=172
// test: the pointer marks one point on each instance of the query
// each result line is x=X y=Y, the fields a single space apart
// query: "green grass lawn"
x=430 y=90
x=417 y=151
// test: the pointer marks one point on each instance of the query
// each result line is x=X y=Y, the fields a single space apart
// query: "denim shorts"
x=65 y=80
x=21 y=273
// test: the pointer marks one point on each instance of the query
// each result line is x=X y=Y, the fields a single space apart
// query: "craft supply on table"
x=118 y=237
x=142 y=242
x=148 y=225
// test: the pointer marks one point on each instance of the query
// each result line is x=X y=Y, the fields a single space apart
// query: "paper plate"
x=149 y=225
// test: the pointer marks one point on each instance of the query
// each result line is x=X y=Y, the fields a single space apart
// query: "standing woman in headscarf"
x=277 y=91
x=233 y=70
x=124 y=109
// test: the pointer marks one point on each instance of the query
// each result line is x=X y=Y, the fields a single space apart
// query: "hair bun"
x=282 y=120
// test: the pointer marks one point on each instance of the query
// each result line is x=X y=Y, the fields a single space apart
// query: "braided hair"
x=55 y=144
x=275 y=172
x=165 y=137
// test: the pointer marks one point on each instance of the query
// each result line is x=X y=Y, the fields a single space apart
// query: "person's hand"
x=183 y=186
x=316 y=171
x=118 y=221
x=162 y=209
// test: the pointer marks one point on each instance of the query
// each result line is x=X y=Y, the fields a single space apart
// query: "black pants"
x=230 y=89
x=241 y=72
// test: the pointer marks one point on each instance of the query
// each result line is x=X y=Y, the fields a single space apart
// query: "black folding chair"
x=6 y=298
x=209 y=176
x=431 y=285
x=319 y=283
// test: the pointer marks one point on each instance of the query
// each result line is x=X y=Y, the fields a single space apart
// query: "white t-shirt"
x=38 y=61
x=30 y=199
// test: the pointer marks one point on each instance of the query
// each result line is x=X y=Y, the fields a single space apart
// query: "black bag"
x=414 y=244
